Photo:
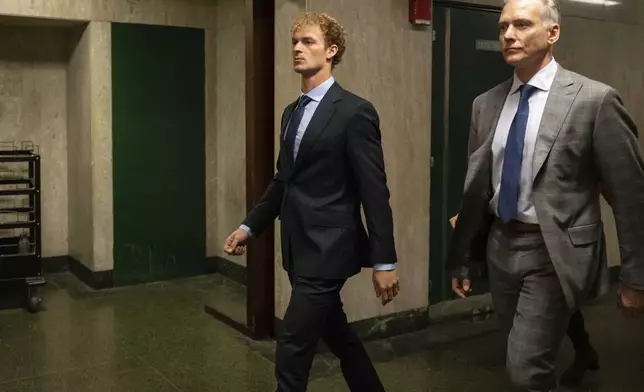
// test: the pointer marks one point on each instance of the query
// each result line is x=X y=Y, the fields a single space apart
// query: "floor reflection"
x=157 y=337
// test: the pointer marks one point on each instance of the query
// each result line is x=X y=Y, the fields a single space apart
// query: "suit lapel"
x=480 y=163
x=497 y=101
x=287 y=114
x=283 y=152
x=318 y=122
x=562 y=95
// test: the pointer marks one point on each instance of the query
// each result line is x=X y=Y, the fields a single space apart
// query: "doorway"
x=467 y=61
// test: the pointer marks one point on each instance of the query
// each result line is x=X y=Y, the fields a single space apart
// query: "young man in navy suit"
x=330 y=164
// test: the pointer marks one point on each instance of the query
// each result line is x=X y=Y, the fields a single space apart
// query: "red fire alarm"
x=420 y=12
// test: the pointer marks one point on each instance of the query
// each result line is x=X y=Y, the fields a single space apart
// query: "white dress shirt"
x=537 y=103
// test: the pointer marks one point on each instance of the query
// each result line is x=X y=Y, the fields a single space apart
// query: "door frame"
x=259 y=20
x=439 y=150
x=260 y=161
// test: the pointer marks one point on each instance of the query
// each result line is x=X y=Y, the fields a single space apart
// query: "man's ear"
x=331 y=51
x=555 y=30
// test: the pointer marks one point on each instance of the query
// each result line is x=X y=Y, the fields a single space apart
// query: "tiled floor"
x=158 y=338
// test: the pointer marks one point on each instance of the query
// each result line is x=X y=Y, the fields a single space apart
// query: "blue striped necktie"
x=294 y=124
x=513 y=158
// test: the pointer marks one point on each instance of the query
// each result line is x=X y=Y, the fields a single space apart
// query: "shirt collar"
x=541 y=80
x=320 y=91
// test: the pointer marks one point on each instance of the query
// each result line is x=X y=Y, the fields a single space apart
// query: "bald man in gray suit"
x=540 y=146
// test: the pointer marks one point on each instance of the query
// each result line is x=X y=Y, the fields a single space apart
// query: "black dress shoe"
x=584 y=361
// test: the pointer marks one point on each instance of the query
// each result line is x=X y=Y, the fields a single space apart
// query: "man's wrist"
x=247 y=230
x=384 y=267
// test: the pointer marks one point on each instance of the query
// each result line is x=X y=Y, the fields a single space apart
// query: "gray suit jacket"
x=587 y=144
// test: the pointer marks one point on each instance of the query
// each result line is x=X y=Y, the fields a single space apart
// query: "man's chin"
x=513 y=60
x=304 y=71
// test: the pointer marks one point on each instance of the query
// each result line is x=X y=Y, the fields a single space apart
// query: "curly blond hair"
x=332 y=30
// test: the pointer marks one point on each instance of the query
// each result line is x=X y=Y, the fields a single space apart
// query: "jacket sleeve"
x=621 y=168
x=268 y=208
x=467 y=251
x=366 y=158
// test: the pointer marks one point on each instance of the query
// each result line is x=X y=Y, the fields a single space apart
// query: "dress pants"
x=531 y=305
x=577 y=332
x=315 y=312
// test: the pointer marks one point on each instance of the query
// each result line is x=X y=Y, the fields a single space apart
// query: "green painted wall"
x=159 y=152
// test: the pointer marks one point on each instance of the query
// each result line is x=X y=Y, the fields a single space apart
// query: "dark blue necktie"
x=513 y=158
x=294 y=124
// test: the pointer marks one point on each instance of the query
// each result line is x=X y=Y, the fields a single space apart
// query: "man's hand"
x=452 y=221
x=631 y=300
x=461 y=284
x=386 y=285
x=236 y=243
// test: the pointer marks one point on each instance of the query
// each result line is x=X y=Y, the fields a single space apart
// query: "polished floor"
x=158 y=338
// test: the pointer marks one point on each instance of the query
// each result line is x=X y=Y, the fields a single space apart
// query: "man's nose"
x=509 y=34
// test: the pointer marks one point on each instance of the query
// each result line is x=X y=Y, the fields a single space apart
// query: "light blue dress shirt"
x=316 y=96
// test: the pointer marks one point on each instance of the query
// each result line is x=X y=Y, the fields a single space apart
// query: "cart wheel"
x=34 y=299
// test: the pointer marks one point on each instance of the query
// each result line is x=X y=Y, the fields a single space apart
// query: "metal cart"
x=20 y=228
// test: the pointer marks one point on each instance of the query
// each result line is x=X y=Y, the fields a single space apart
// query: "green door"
x=159 y=163
x=466 y=62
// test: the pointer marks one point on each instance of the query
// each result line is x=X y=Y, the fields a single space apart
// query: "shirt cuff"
x=246 y=229
x=384 y=267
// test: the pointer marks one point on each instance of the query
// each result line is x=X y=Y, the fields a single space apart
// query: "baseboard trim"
x=458 y=309
x=227 y=268
x=55 y=265
x=390 y=325
x=97 y=280
x=239 y=327
x=383 y=327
